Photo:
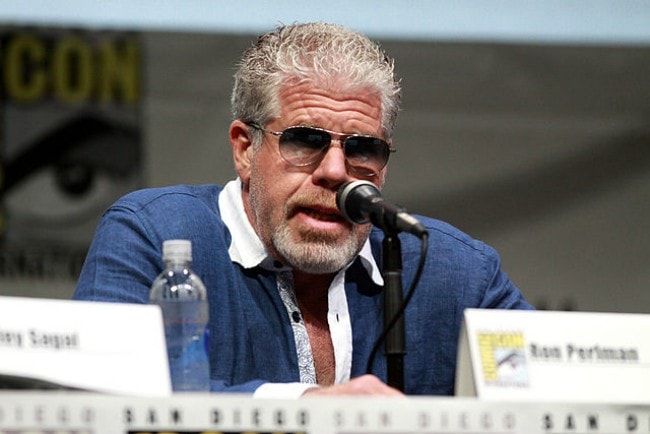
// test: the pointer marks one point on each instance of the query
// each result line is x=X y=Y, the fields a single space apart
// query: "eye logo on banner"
x=70 y=143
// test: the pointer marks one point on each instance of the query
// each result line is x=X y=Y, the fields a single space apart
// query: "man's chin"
x=318 y=257
x=318 y=252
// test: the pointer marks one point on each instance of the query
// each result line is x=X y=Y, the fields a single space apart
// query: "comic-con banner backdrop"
x=70 y=144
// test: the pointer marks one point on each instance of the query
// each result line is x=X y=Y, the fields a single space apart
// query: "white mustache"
x=318 y=201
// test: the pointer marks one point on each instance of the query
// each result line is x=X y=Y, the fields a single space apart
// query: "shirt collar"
x=246 y=248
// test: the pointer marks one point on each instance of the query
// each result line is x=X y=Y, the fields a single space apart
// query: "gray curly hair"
x=319 y=52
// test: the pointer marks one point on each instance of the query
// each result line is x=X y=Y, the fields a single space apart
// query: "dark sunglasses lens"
x=305 y=137
x=303 y=145
x=369 y=153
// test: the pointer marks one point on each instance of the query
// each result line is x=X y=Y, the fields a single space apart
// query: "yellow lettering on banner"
x=25 y=53
x=119 y=66
x=72 y=69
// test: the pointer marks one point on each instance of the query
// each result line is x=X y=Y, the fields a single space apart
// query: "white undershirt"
x=247 y=250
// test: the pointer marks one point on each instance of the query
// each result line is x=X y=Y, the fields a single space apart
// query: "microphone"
x=361 y=202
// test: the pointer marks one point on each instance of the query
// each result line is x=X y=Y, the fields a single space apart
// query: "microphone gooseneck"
x=361 y=202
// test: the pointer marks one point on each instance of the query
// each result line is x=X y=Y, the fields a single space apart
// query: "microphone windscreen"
x=351 y=199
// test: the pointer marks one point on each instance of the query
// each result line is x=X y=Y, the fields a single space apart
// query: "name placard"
x=558 y=356
x=104 y=347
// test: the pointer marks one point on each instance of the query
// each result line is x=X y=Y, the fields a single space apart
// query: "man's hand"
x=364 y=385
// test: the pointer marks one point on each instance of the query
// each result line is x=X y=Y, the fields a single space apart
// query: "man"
x=295 y=291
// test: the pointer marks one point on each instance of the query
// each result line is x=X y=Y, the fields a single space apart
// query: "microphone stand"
x=395 y=344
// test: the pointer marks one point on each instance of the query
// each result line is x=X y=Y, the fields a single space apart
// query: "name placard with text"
x=558 y=356
x=103 y=347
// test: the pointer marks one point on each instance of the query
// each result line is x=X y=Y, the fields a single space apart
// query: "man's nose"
x=332 y=169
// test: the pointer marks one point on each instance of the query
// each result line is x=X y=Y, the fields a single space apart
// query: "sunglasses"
x=303 y=146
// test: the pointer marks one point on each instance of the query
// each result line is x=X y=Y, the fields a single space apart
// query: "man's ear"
x=242 y=149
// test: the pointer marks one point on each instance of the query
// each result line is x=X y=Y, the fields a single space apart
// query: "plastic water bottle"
x=182 y=296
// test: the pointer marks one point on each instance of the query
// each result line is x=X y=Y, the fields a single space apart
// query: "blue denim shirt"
x=251 y=336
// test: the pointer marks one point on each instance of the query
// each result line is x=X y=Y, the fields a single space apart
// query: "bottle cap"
x=177 y=250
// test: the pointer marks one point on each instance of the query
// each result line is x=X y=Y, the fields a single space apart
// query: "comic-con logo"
x=503 y=359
